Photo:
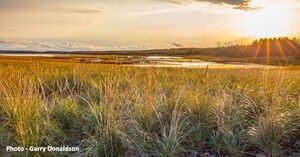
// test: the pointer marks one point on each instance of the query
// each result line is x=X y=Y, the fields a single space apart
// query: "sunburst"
x=272 y=20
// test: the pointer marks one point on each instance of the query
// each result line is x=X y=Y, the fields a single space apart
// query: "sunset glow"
x=150 y=78
x=142 y=24
x=271 y=20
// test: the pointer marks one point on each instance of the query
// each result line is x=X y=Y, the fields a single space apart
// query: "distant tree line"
x=264 y=47
x=281 y=47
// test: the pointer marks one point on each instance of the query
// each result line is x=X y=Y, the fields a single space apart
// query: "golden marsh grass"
x=111 y=110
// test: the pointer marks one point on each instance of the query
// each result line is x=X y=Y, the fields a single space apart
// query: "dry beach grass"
x=111 y=110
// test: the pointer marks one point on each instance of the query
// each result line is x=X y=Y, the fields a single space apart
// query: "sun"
x=272 y=20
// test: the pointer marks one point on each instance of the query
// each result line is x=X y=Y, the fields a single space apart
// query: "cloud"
x=76 y=11
x=8 y=30
x=220 y=44
x=175 y=1
x=236 y=4
x=228 y=43
x=64 y=46
x=83 y=11
x=177 y=45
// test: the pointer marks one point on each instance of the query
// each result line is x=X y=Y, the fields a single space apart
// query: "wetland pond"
x=141 y=61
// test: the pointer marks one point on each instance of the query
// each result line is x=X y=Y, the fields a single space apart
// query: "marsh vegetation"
x=111 y=110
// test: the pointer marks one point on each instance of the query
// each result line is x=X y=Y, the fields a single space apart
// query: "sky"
x=50 y=25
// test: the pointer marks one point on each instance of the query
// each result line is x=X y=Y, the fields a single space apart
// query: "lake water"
x=30 y=55
x=205 y=64
x=162 y=57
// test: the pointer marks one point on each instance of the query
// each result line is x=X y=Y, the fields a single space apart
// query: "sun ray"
x=268 y=51
x=280 y=48
x=257 y=49
x=292 y=46
x=242 y=51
